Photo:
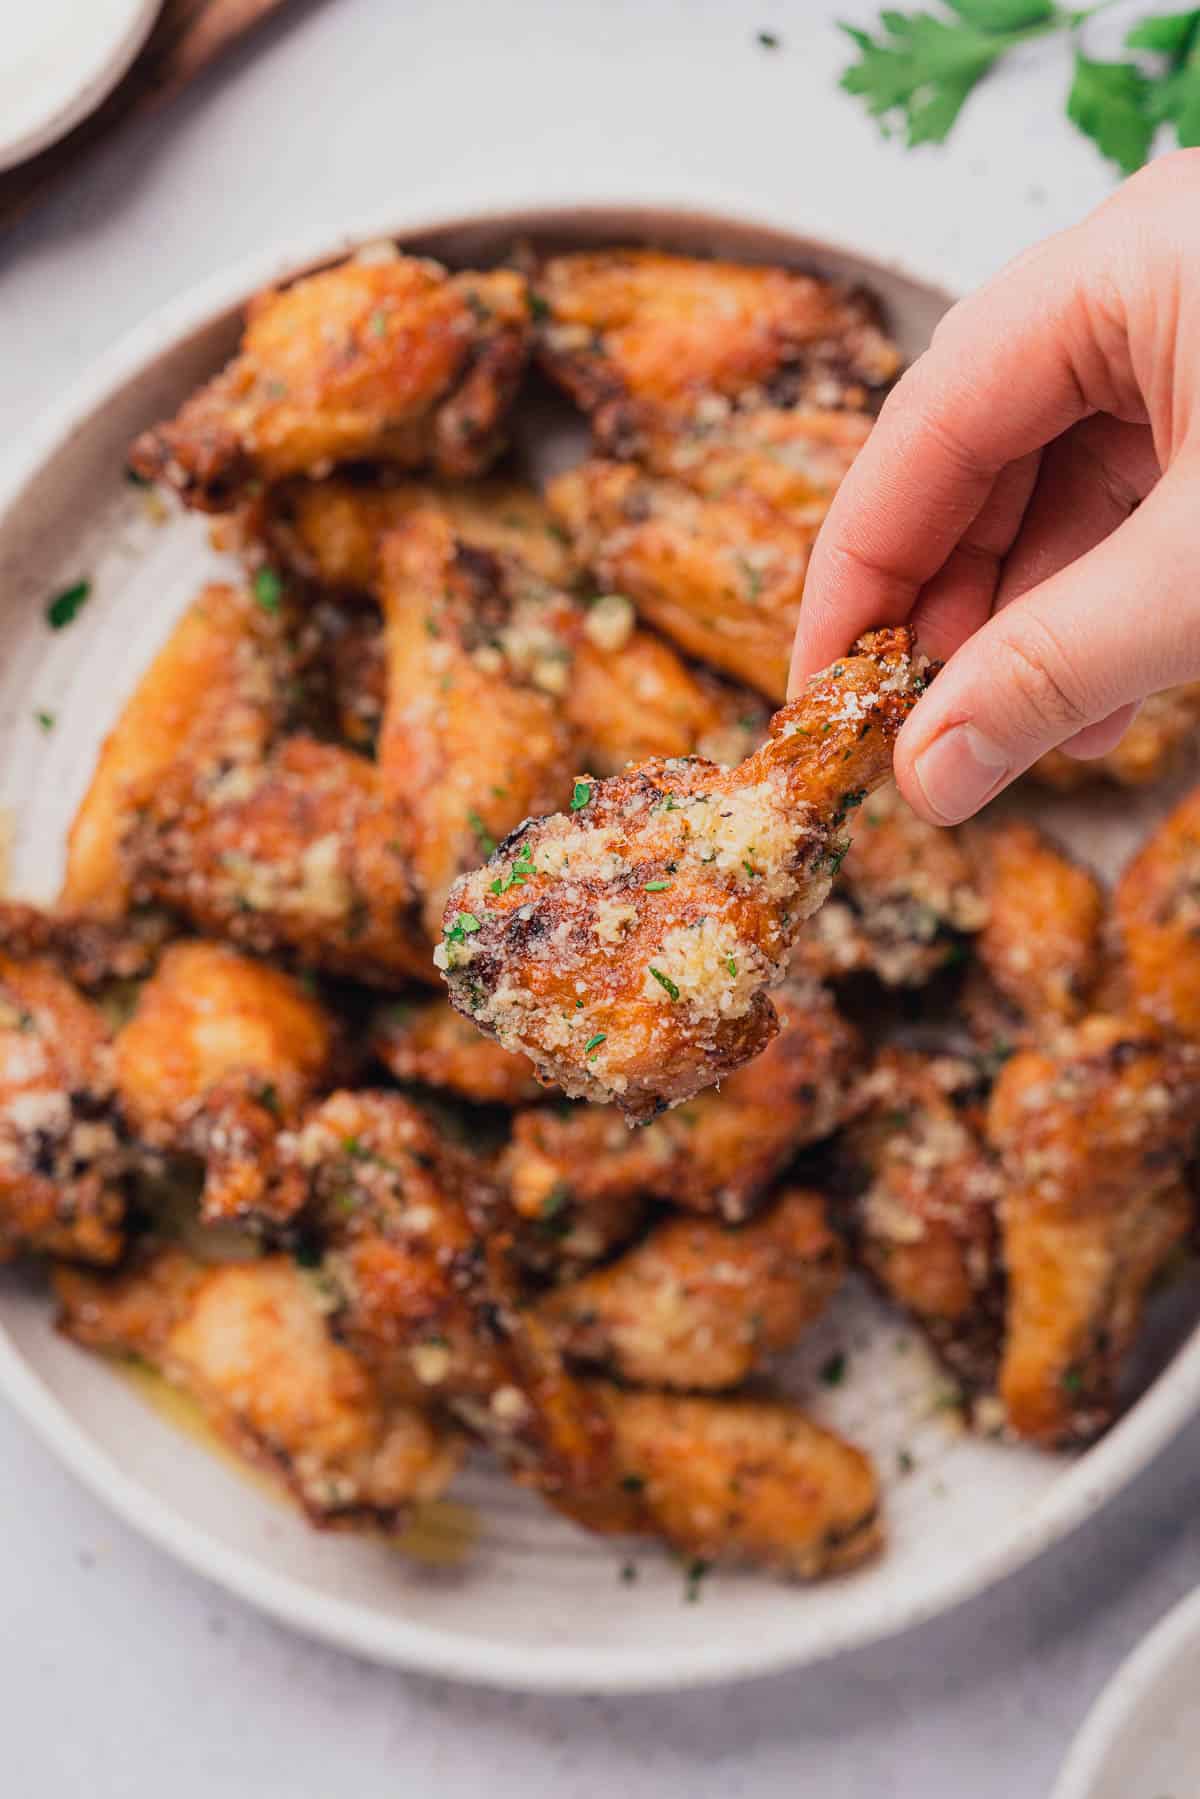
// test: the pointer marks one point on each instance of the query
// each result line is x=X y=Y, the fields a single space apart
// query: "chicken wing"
x=250 y=1343
x=426 y=1040
x=925 y=1216
x=1164 y=729
x=795 y=460
x=637 y=337
x=698 y=1305
x=1094 y=1134
x=221 y=1053
x=61 y=1154
x=1157 y=911
x=627 y=947
x=391 y=361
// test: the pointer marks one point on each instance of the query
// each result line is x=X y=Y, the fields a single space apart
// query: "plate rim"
x=111 y=65
x=1081 y=1489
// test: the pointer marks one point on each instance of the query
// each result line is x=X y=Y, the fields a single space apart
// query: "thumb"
x=1119 y=623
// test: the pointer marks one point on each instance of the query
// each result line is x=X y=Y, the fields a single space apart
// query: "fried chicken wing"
x=213 y=696
x=300 y=852
x=722 y=577
x=250 y=1343
x=1157 y=911
x=1094 y=1133
x=1164 y=729
x=221 y=1052
x=627 y=947
x=795 y=460
x=61 y=1154
x=698 y=1305
x=637 y=337
x=426 y=1040
x=393 y=361
x=925 y=1217
x=734 y=1480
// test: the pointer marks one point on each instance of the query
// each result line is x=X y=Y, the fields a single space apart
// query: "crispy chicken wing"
x=250 y=1343
x=1164 y=729
x=628 y=947
x=925 y=1219
x=696 y=1304
x=739 y=1481
x=61 y=1154
x=722 y=576
x=638 y=337
x=795 y=460
x=221 y=1052
x=212 y=697
x=1157 y=909
x=1094 y=1133
x=393 y=361
x=426 y=1040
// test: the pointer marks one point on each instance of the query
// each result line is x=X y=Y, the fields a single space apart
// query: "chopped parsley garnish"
x=656 y=886
x=136 y=480
x=66 y=606
x=45 y=720
x=628 y=1573
x=731 y=965
x=518 y=874
x=833 y=1369
x=767 y=40
x=695 y=1574
x=1072 y=1381
x=581 y=795
x=633 y=1483
x=268 y=1097
x=593 y=1043
x=377 y=324
x=554 y=1218
x=538 y=308
x=751 y=577
x=750 y=869
x=268 y=589
x=464 y=926
x=665 y=981
x=483 y=836
x=905 y=1462
x=835 y=858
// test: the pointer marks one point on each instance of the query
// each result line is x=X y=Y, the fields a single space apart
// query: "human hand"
x=1030 y=501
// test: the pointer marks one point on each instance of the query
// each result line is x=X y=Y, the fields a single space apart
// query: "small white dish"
x=60 y=59
x=1141 y=1739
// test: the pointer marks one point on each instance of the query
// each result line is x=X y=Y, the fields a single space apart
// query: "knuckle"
x=1036 y=670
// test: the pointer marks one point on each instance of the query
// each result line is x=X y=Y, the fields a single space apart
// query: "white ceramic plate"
x=534 y=1603
x=60 y=59
x=1141 y=1739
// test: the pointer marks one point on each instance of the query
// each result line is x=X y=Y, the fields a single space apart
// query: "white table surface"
x=123 y=1677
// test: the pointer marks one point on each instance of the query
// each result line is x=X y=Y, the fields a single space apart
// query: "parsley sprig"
x=915 y=72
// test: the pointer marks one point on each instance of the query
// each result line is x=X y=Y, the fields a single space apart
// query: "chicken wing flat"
x=627 y=947
x=905 y=900
x=1164 y=729
x=697 y=1305
x=637 y=337
x=301 y=852
x=419 y=1265
x=221 y=1052
x=795 y=460
x=212 y=699
x=732 y=1480
x=61 y=1154
x=925 y=1219
x=393 y=362
x=1157 y=910
x=1094 y=1134
x=427 y=1041
x=722 y=577
x=250 y=1343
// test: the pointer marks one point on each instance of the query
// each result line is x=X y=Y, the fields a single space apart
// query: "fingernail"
x=959 y=771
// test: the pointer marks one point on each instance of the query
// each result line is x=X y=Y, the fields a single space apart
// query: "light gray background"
x=122 y=1676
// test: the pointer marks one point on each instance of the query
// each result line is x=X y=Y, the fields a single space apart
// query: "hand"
x=1030 y=500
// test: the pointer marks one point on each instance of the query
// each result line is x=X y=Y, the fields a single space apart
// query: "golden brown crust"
x=427 y=1041
x=794 y=460
x=1157 y=913
x=1094 y=1133
x=627 y=948
x=392 y=362
x=250 y=1343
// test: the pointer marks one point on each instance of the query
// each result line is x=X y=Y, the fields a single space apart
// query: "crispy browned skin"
x=638 y=337
x=61 y=1158
x=474 y=736
x=795 y=460
x=736 y=1480
x=89 y=950
x=301 y=852
x=221 y=1052
x=393 y=362
x=1094 y=1134
x=926 y=1214
x=696 y=1304
x=426 y=1040
x=1038 y=954
x=1155 y=742
x=250 y=1343
x=212 y=695
x=628 y=947
x=722 y=577
x=1157 y=909
x=717 y=1153
x=419 y=1259
x=904 y=900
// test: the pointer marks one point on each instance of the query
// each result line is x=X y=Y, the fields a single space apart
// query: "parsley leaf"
x=1171 y=33
x=1110 y=103
x=65 y=606
x=464 y=926
x=920 y=68
x=581 y=795
x=665 y=981
x=593 y=1043
x=268 y=589
x=518 y=874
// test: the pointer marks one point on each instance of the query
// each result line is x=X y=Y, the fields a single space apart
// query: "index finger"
x=1008 y=370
